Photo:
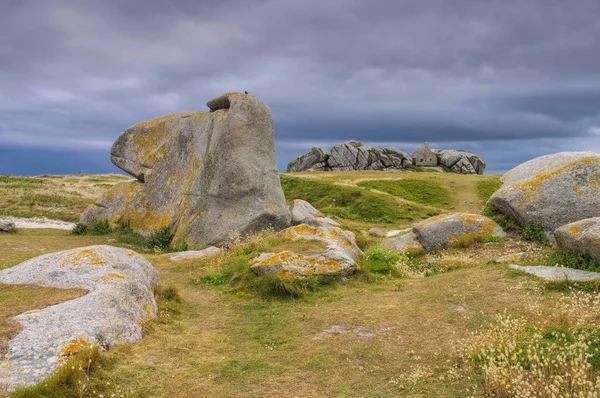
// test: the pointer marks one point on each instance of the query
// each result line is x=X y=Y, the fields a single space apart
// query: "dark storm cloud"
x=509 y=79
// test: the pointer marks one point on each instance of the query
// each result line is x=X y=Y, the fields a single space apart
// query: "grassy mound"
x=427 y=192
x=486 y=188
x=351 y=203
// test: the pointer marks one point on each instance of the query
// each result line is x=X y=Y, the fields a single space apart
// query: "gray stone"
x=314 y=160
x=461 y=162
x=206 y=176
x=455 y=230
x=343 y=156
x=119 y=283
x=581 y=237
x=552 y=190
x=7 y=226
x=194 y=254
x=339 y=258
x=557 y=273
x=303 y=212
x=377 y=232
x=407 y=243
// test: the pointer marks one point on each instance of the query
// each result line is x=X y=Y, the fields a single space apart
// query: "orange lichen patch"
x=125 y=300
x=75 y=346
x=302 y=265
x=574 y=229
x=147 y=310
x=83 y=257
x=113 y=275
x=301 y=229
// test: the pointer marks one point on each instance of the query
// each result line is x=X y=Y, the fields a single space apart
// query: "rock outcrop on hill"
x=551 y=190
x=205 y=175
x=120 y=298
x=353 y=155
x=446 y=230
x=581 y=237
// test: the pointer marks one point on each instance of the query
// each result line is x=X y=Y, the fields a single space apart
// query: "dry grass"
x=17 y=299
x=59 y=197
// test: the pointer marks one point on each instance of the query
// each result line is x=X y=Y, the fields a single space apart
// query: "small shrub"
x=79 y=229
x=160 y=239
x=168 y=293
x=183 y=247
x=100 y=228
x=493 y=239
x=379 y=260
x=571 y=259
x=535 y=233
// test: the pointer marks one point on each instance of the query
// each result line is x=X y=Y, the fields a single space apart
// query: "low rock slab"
x=455 y=229
x=338 y=259
x=407 y=243
x=302 y=212
x=7 y=226
x=120 y=284
x=194 y=254
x=558 y=273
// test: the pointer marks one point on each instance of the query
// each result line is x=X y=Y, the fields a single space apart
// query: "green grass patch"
x=351 y=203
x=379 y=260
x=534 y=233
x=425 y=191
x=158 y=241
x=486 y=188
x=567 y=258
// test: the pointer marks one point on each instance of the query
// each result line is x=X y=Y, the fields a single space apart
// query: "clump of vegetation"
x=159 y=240
x=535 y=233
x=425 y=191
x=570 y=259
x=351 y=203
x=379 y=260
x=486 y=188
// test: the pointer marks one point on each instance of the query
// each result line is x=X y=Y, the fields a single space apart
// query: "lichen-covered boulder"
x=313 y=160
x=552 y=190
x=206 y=176
x=120 y=299
x=339 y=258
x=455 y=229
x=407 y=244
x=581 y=236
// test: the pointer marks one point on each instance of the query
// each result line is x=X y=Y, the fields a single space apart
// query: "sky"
x=509 y=80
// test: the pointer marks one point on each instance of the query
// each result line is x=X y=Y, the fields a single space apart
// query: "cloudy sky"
x=507 y=79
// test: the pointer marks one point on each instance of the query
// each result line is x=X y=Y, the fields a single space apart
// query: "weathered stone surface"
x=207 y=176
x=343 y=156
x=581 y=237
x=314 y=160
x=455 y=229
x=120 y=284
x=377 y=232
x=7 y=226
x=194 y=254
x=338 y=259
x=461 y=162
x=552 y=190
x=407 y=243
x=557 y=273
x=303 y=212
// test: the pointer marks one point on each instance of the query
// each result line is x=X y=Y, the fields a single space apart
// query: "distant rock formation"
x=353 y=155
x=205 y=175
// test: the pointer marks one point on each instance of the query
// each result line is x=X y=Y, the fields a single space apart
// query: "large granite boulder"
x=206 y=176
x=339 y=257
x=581 y=236
x=120 y=298
x=552 y=190
x=461 y=162
x=313 y=160
x=454 y=230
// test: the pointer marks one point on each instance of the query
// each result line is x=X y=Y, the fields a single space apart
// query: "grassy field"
x=430 y=328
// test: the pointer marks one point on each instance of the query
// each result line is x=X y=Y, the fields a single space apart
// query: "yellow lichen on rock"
x=75 y=346
x=82 y=258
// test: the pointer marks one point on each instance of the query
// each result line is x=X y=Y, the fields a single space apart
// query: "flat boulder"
x=580 y=237
x=207 y=176
x=455 y=229
x=194 y=254
x=552 y=190
x=303 y=212
x=338 y=258
x=407 y=244
x=557 y=273
x=120 y=299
